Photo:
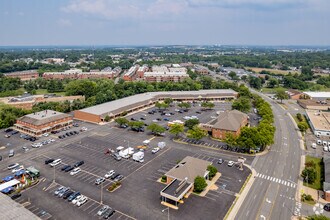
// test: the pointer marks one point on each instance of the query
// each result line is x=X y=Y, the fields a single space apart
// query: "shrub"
x=305 y=197
x=212 y=171
x=114 y=186
x=199 y=184
x=299 y=117
x=164 y=179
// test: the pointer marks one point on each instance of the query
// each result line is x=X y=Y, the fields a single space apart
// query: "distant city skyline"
x=164 y=22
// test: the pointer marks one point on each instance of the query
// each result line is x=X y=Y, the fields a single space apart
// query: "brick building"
x=165 y=76
x=227 y=122
x=38 y=123
x=106 y=73
x=23 y=75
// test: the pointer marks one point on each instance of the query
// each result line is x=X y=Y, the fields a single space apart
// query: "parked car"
x=67 y=194
x=75 y=171
x=99 y=180
x=155 y=150
x=108 y=213
x=7 y=135
x=11 y=153
x=65 y=167
x=8 y=130
x=119 y=177
x=327 y=207
x=314 y=145
x=12 y=166
x=79 y=163
x=17 y=169
x=45 y=135
x=68 y=169
x=75 y=200
x=63 y=191
x=73 y=196
x=55 y=162
x=319 y=142
x=83 y=129
x=58 y=190
x=231 y=163
x=115 y=176
x=109 y=174
x=15 y=196
x=102 y=210
x=82 y=201
x=325 y=148
x=220 y=161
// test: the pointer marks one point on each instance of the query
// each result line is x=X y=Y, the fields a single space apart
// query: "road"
x=272 y=196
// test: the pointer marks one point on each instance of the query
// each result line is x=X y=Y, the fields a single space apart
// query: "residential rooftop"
x=229 y=120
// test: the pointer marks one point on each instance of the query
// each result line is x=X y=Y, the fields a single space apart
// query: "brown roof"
x=229 y=120
x=43 y=117
x=189 y=168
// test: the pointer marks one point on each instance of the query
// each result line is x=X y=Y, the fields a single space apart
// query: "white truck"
x=127 y=153
x=161 y=145
x=138 y=156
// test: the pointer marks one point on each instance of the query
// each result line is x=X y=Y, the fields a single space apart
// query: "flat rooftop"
x=318 y=94
x=43 y=117
x=176 y=190
x=320 y=120
x=109 y=107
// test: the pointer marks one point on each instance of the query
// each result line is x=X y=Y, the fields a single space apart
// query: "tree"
x=299 y=117
x=176 y=129
x=233 y=75
x=242 y=104
x=136 y=124
x=281 y=94
x=309 y=175
x=161 y=105
x=196 y=133
x=212 y=171
x=185 y=105
x=207 y=105
x=168 y=100
x=156 y=129
x=191 y=123
x=272 y=83
x=230 y=139
x=317 y=217
x=199 y=184
x=121 y=121
x=303 y=126
x=107 y=118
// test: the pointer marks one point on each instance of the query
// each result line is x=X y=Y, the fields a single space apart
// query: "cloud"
x=64 y=22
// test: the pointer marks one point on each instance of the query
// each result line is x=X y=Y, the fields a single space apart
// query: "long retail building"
x=113 y=109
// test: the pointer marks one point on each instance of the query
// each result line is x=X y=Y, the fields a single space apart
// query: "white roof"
x=9 y=184
x=318 y=94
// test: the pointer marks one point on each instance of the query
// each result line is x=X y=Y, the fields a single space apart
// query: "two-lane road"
x=272 y=195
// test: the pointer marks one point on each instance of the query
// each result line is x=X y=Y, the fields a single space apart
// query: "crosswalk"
x=276 y=180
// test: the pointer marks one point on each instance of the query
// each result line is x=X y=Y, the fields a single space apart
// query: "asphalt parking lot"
x=139 y=195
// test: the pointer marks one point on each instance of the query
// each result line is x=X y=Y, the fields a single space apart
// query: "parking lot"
x=139 y=194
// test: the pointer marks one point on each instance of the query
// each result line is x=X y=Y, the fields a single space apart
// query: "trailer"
x=127 y=153
x=161 y=145
x=138 y=156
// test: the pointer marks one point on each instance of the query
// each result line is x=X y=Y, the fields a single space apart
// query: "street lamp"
x=101 y=193
x=168 y=212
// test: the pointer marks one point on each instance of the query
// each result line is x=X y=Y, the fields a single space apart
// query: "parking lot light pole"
x=101 y=193
x=54 y=175
x=168 y=212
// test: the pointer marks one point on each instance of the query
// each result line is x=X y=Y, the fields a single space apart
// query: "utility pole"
x=168 y=212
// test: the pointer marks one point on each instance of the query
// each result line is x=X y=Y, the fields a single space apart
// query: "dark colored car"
x=185 y=110
x=72 y=133
x=119 y=177
x=14 y=132
x=163 y=113
x=115 y=176
x=151 y=112
x=107 y=214
x=76 y=132
x=73 y=196
x=8 y=130
x=180 y=111
x=142 y=118
x=132 y=119
x=67 y=134
x=65 y=167
x=67 y=194
x=198 y=112
x=75 y=125
x=48 y=161
x=327 y=207
x=220 y=161
x=141 y=129
x=79 y=163
x=68 y=169
x=15 y=196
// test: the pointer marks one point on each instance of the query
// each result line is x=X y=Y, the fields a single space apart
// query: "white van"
x=325 y=148
x=55 y=162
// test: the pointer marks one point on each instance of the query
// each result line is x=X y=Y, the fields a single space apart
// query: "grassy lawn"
x=319 y=168
x=12 y=92
x=283 y=72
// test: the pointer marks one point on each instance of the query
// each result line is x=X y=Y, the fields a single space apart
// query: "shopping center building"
x=116 y=108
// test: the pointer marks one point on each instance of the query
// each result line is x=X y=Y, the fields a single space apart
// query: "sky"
x=164 y=22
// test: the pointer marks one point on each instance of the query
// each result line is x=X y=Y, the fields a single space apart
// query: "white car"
x=36 y=145
x=77 y=199
x=186 y=117
x=82 y=201
x=154 y=120
x=319 y=142
x=325 y=148
x=314 y=145
x=155 y=150
x=102 y=210
x=12 y=166
x=109 y=174
x=18 y=169
x=83 y=129
x=168 y=114
x=325 y=143
x=55 y=162
x=231 y=163
x=75 y=171
x=45 y=135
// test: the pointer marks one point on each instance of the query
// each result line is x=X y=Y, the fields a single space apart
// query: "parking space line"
x=96 y=207
x=89 y=206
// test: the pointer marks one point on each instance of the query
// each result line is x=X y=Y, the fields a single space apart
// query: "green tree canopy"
x=281 y=94
x=242 y=104
x=176 y=129
x=196 y=133
x=121 y=121
x=136 y=124
x=199 y=184
x=156 y=128
x=212 y=171
x=191 y=123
